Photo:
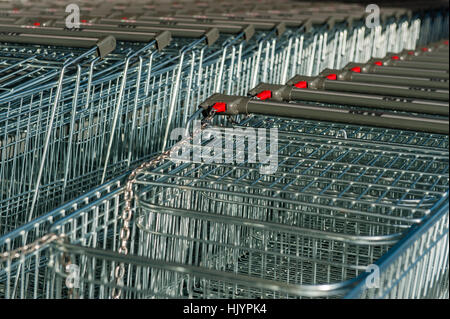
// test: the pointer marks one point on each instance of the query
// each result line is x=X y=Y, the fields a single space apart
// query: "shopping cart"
x=94 y=220
x=26 y=278
x=417 y=267
x=52 y=115
x=104 y=96
x=232 y=219
x=395 y=282
x=125 y=121
x=135 y=95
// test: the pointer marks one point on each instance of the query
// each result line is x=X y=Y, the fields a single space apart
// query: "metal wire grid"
x=26 y=278
x=93 y=219
x=364 y=43
x=89 y=102
x=86 y=113
x=83 y=101
x=324 y=48
x=88 y=133
x=284 y=227
x=212 y=77
x=417 y=267
x=396 y=36
x=416 y=270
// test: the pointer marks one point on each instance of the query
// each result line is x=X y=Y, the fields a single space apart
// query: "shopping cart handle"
x=88 y=32
x=278 y=92
x=340 y=89
x=233 y=105
x=104 y=45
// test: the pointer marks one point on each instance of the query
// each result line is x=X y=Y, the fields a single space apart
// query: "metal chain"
x=66 y=261
x=127 y=212
x=27 y=249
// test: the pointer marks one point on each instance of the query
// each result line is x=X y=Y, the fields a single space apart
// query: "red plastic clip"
x=425 y=49
x=124 y=18
x=264 y=95
x=411 y=52
x=84 y=21
x=356 y=69
x=331 y=76
x=395 y=57
x=446 y=42
x=379 y=63
x=301 y=85
x=37 y=24
x=220 y=107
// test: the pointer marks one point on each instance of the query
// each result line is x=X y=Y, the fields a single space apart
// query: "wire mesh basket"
x=158 y=279
x=339 y=199
x=93 y=219
x=417 y=267
x=332 y=221
x=58 y=140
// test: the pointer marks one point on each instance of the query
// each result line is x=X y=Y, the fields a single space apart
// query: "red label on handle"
x=379 y=63
x=301 y=85
x=220 y=107
x=332 y=77
x=356 y=69
x=264 y=95
x=395 y=57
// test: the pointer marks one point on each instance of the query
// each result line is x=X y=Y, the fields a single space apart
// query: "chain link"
x=127 y=212
x=27 y=249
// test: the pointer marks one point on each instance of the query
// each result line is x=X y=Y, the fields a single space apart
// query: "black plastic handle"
x=233 y=105
x=104 y=45
x=120 y=35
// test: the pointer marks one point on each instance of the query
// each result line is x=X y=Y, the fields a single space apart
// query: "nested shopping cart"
x=309 y=229
x=190 y=70
x=106 y=110
x=53 y=106
x=354 y=90
x=59 y=140
x=132 y=98
x=332 y=208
